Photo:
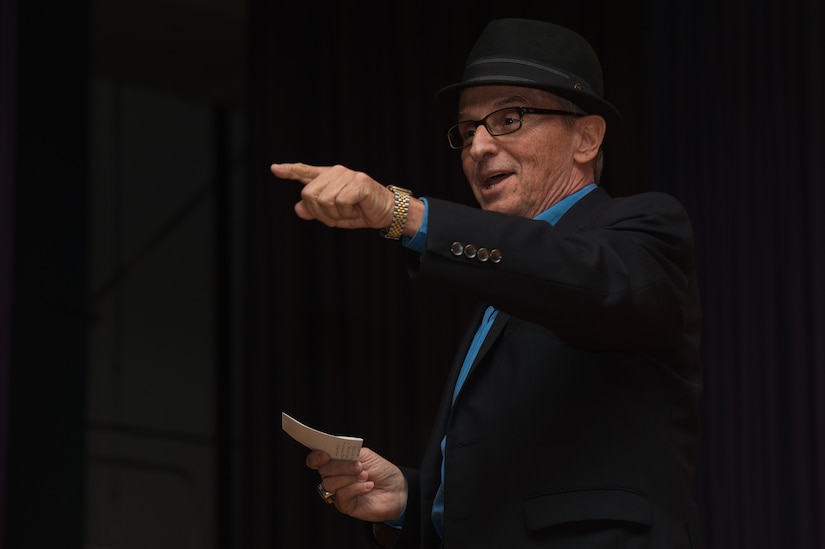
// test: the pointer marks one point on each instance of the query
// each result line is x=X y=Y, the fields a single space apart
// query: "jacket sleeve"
x=612 y=274
x=382 y=536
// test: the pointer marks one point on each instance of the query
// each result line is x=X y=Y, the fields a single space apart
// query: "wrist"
x=400 y=213
x=415 y=217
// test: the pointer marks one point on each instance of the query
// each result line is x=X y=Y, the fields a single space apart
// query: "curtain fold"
x=8 y=128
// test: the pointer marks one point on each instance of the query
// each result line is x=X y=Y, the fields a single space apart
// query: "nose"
x=482 y=142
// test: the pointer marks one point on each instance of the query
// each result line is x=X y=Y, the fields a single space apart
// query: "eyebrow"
x=501 y=103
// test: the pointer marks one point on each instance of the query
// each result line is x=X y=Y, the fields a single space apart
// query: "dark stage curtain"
x=737 y=108
x=8 y=85
x=723 y=108
x=44 y=161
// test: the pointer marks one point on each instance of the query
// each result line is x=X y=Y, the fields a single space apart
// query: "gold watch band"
x=400 y=209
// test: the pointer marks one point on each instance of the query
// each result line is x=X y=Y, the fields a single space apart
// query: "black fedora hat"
x=537 y=54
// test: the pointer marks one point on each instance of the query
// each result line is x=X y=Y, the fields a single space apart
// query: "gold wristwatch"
x=400 y=209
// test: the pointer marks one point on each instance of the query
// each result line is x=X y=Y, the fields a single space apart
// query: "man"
x=570 y=418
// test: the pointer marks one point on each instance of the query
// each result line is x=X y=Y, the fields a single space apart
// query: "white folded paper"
x=337 y=446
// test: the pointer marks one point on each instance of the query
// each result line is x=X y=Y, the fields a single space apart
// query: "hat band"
x=516 y=70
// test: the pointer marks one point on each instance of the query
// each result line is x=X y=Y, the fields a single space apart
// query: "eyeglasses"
x=500 y=122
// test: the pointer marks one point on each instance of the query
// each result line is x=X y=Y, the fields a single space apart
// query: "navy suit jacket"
x=578 y=424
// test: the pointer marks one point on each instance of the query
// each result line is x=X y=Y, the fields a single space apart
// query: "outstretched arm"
x=340 y=197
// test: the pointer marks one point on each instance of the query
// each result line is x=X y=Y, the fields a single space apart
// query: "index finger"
x=297 y=171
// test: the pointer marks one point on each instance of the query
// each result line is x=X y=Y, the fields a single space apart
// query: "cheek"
x=467 y=164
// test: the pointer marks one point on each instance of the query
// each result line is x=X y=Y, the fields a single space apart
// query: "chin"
x=495 y=208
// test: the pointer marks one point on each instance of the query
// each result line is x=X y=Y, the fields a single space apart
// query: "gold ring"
x=329 y=497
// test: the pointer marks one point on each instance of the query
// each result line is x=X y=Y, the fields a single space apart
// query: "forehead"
x=491 y=97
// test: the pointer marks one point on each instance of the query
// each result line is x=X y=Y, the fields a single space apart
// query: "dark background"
x=723 y=108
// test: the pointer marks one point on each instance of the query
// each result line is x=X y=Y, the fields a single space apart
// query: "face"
x=525 y=172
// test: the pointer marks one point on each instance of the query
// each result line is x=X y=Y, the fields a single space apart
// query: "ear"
x=591 y=130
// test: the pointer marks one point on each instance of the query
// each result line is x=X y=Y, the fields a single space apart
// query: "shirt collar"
x=554 y=212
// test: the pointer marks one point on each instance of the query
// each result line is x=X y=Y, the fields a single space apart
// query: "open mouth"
x=491 y=182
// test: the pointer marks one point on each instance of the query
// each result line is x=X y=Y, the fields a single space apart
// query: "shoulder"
x=598 y=209
x=645 y=200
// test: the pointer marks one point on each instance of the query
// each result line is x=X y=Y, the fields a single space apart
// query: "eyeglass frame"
x=521 y=112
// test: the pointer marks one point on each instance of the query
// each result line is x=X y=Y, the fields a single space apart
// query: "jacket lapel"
x=462 y=349
x=495 y=331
